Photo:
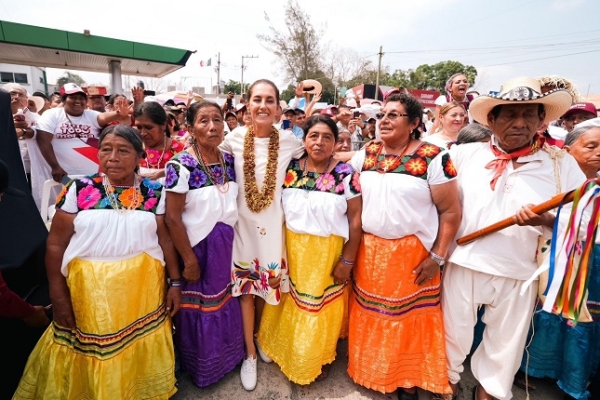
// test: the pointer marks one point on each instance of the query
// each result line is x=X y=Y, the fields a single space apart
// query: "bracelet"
x=438 y=259
x=342 y=259
x=176 y=282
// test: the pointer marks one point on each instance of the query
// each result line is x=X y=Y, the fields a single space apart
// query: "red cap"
x=588 y=108
x=95 y=90
x=329 y=111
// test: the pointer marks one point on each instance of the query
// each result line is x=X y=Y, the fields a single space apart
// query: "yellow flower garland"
x=258 y=200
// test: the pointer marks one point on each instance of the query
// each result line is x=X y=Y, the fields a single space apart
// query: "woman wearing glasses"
x=411 y=213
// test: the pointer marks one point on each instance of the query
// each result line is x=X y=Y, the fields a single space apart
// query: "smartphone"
x=149 y=93
x=287 y=124
x=356 y=114
x=229 y=104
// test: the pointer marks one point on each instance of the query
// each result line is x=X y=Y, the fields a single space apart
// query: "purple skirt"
x=209 y=335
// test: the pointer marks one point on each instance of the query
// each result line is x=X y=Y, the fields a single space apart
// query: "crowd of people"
x=200 y=236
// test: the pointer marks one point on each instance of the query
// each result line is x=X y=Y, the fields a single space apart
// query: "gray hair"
x=10 y=87
x=580 y=129
x=473 y=133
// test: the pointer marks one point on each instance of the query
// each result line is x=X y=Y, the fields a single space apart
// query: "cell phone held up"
x=356 y=114
x=286 y=124
x=229 y=104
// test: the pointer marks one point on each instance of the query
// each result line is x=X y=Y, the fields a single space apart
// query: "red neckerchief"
x=499 y=163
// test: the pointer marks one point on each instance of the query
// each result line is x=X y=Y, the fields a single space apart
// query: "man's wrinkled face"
x=516 y=125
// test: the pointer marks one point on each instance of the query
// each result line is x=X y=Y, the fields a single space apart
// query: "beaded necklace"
x=224 y=187
x=113 y=199
x=157 y=165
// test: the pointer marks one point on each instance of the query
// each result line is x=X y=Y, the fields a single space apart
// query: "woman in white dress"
x=259 y=270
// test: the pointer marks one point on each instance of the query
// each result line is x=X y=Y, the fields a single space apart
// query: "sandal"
x=404 y=395
x=523 y=382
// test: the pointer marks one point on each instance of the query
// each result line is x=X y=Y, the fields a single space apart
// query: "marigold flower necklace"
x=113 y=199
x=258 y=200
x=224 y=187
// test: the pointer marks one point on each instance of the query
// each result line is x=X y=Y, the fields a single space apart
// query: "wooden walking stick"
x=562 y=198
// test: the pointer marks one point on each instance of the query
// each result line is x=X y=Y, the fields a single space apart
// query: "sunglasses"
x=391 y=116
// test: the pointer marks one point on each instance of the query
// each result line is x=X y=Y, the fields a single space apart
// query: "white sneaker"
x=263 y=356
x=248 y=373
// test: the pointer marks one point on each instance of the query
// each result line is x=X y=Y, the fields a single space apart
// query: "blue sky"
x=502 y=39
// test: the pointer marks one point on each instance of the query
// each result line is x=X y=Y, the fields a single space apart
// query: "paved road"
x=273 y=385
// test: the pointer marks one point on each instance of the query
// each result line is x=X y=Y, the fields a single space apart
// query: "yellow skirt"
x=122 y=347
x=396 y=334
x=301 y=333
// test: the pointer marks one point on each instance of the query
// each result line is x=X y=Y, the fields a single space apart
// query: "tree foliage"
x=69 y=77
x=298 y=48
x=234 y=86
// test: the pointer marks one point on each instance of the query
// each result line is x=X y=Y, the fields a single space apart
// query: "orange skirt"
x=396 y=337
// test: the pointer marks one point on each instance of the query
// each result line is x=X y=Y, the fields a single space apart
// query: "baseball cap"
x=230 y=114
x=169 y=102
x=71 y=88
x=330 y=111
x=589 y=108
x=95 y=90
x=287 y=110
x=239 y=107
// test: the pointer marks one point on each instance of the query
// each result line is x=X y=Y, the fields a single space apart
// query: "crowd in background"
x=271 y=229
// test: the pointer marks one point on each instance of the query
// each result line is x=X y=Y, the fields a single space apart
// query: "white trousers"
x=507 y=317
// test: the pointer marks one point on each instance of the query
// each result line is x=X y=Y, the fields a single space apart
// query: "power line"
x=542 y=58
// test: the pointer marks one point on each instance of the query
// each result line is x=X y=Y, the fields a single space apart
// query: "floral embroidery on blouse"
x=255 y=275
x=199 y=177
x=92 y=195
x=153 y=157
x=332 y=182
x=415 y=164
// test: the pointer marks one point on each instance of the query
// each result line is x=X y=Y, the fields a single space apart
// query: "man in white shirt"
x=498 y=180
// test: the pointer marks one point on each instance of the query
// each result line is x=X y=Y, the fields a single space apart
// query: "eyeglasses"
x=391 y=116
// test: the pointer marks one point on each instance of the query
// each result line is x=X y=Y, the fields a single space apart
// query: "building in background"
x=31 y=78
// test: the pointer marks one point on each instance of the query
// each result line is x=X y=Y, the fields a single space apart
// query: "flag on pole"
x=205 y=64
x=208 y=62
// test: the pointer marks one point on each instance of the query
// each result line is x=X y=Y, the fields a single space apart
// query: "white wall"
x=35 y=76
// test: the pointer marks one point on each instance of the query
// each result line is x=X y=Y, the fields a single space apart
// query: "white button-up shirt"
x=510 y=252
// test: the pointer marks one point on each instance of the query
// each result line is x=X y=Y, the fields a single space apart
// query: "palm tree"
x=69 y=77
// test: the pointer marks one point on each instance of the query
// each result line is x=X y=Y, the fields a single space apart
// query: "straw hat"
x=522 y=90
x=312 y=86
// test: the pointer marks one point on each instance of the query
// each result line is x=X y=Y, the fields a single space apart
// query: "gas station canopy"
x=53 y=48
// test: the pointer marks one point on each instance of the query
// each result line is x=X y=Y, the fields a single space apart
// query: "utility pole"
x=378 y=73
x=242 y=83
x=218 y=73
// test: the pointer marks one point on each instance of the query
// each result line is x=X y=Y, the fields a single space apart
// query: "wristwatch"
x=439 y=260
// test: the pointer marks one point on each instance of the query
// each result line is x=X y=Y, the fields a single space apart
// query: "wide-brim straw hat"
x=522 y=90
x=312 y=86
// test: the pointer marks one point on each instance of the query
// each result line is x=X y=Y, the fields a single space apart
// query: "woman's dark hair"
x=155 y=112
x=128 y=133
x=412 y=106
x=193 y=110
x=268 y=82
x=113 y=97
x=321 y=119
x=41 y=94
x=473 y=133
